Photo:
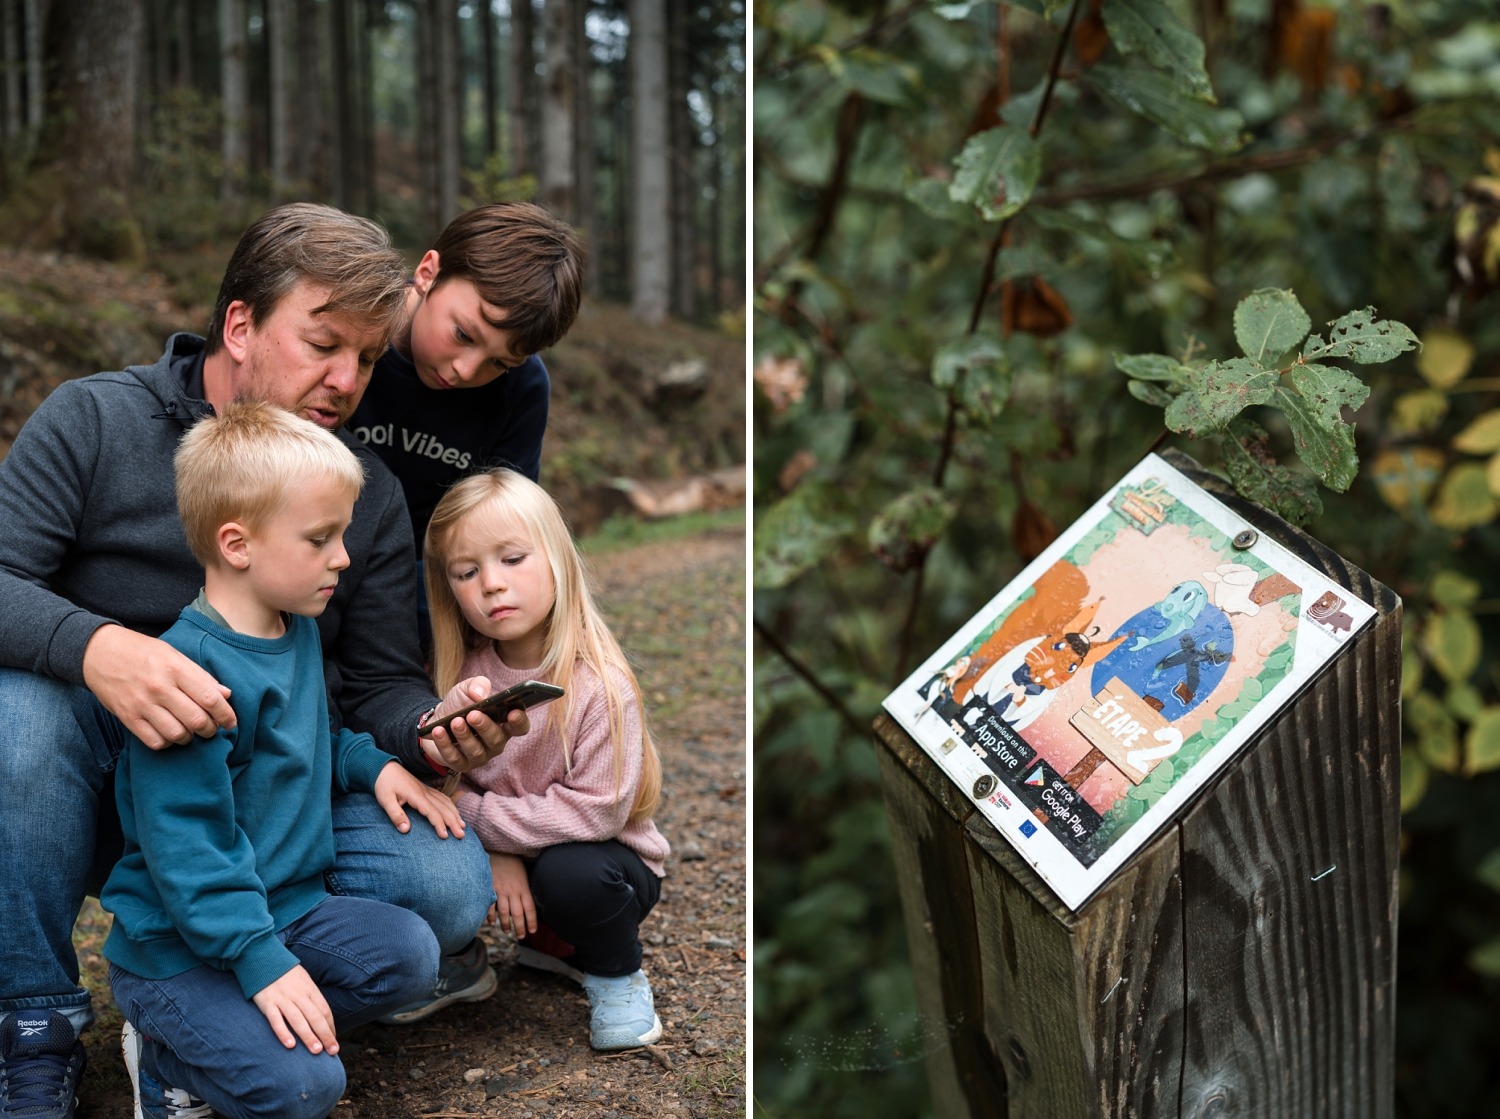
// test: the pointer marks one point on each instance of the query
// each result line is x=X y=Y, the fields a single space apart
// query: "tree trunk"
x=36 y=101
x=684 y=197
x=11 y=28
x=623 y=168
x=585 y=206
x=77 y=196
x=183 y=44
x=651 y=232
x=427 y=119
x=159 y=19
x=491 y=78
x=449 y=94
x=234 y=90
x=719 y=174
x=311 y=100
x=559 y=109
x=523 y=82
x=345 y=140
x=362 y=94
x=281 y=33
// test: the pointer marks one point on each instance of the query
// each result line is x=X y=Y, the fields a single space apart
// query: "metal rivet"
x=1245 y=539
x=984 y=786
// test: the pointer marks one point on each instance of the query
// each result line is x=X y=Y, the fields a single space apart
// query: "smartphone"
x=528 y=693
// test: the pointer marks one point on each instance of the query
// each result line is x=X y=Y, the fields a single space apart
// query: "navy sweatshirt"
x=431 y=438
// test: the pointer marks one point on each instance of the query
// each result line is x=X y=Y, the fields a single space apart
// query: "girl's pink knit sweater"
x=527 y=799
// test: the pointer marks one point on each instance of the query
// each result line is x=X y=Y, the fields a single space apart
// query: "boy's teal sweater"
x=227 y=839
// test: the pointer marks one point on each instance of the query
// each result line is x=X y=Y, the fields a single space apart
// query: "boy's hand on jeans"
x=463 y=744
x=395 y=787
x=513 y=906
x=294 y=1006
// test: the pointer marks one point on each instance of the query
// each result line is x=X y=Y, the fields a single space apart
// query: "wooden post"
x=1240 y=965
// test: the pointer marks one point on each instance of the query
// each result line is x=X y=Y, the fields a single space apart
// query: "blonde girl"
x=565 y=812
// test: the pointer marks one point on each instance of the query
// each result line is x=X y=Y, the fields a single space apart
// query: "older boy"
x=502 y=284
x=227 y=949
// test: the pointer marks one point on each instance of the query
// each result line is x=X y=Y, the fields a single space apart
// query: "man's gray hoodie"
x=89 y=534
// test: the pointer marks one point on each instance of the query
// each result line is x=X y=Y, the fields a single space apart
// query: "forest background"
x=998 y=252
x=148 y=133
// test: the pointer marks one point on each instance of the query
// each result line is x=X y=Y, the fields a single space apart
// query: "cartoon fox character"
x=1058 y=613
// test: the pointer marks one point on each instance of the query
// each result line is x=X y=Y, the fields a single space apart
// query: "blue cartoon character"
x=1180 y=653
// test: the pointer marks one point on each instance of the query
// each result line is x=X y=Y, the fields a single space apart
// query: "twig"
x=1056 y=69
x=1232 y=168
x=544 y=1089
x=986 y=281
x=809 y=676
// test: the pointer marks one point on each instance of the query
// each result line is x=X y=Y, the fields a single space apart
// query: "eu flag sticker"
x=1028 y=829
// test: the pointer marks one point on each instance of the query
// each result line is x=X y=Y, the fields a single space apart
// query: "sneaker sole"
x=543 y=961
x=614 y=1041
x=478 y=991
x=130 y=1047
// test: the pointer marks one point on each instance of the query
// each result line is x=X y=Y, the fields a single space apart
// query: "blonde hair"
x=242 y=464
x=576 y=632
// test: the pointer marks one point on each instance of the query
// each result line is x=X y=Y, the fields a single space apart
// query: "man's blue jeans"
x=60 y=837
x=368 y=958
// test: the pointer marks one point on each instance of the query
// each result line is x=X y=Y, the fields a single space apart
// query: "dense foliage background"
x=966 y=215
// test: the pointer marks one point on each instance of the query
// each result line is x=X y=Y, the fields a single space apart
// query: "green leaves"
x=1158 y=98
x=905 y=530
x=1360 y=337
x=875 y=76
x=1155 y=31
x=1204 y=401
x=798 y=533
x=1268 y=323
x=1257 y=475
x=974 y=369
x=1217 y=394
x=997 y=171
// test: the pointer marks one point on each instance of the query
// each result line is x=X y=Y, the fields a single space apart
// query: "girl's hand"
x=395 y=787
x=465 y=744
x=295 y=1008
x=513 y=907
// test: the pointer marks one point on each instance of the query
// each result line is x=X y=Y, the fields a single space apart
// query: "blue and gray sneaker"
x=463 y=977
x=41 y=1063
x=153 y=1099
x=622 y=1011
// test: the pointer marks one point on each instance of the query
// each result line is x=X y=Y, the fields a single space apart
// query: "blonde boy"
x=227 y=949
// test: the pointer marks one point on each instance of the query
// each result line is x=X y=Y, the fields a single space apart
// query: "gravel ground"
x=678 y=607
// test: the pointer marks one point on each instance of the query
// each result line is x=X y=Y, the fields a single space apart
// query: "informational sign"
x=1083 y=706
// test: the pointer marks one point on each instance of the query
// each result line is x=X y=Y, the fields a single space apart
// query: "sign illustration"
x=1119 y=670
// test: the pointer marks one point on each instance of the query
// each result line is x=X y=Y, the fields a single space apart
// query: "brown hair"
x=522 y=260
x=244 y=463
x=301 y=241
